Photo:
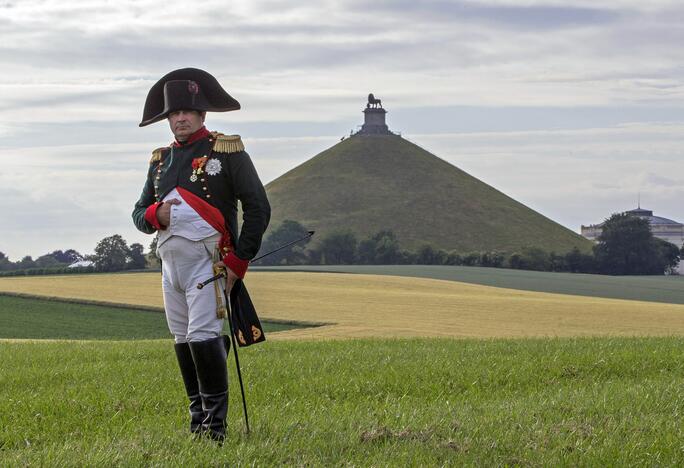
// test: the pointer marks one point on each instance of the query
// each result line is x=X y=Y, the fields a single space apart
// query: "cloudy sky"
x=573 y=108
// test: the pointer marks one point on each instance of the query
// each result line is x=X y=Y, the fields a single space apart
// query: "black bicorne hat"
x=186 y=89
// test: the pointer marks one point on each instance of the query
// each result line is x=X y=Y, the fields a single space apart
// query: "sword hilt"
x=211 y=280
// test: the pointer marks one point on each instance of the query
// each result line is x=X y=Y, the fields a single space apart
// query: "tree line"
x=625 y=247
x=111 y=254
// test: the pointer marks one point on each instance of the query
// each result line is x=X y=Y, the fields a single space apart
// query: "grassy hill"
x=368 y=183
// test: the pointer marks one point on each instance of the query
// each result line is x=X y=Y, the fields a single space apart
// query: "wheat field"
x=354 y=306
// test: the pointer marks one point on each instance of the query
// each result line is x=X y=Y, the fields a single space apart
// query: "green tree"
x=426 y=255
x=454 y=258
x=112 y=254
x=515 y=261
x=366 y=252
x=46 y=261
x=25 y=263
x=5 y=263
x=153 y=245
x=152 y=261
x=67 y=257
x=496 y=259
x=136 y=260
x=286 y=232
x=669 y=254
x=471 y=259
x=626 y=246
x=406 y=257
x=380 y=249
x=339 y=248
x=386 y=248
x=557 y=262
x=578 y=262
x=534 y=258
x=573 y=260
x=314 y=257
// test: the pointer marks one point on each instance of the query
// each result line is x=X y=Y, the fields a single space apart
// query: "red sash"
x=211 y=215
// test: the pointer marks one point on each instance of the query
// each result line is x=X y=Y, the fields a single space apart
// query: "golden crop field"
x=390 y=306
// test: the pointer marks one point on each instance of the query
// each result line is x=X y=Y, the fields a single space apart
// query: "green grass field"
x=669 y=289
x=22 y=318
x=551 y=402
x=119 y=401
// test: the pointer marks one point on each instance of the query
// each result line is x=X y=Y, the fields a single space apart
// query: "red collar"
x=198 y=135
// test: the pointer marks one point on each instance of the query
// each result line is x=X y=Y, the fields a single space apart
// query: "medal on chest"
x=213 y=167
x=204 y=164
x=198 y=167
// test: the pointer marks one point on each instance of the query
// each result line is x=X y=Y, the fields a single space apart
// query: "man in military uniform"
x=190 y=198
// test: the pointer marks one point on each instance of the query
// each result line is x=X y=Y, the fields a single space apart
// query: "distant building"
x=81 y=264
x=662 y=228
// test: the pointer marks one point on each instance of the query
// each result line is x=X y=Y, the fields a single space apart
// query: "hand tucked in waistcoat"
x=164 y=211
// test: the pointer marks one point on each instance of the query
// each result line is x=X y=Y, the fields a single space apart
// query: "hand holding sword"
x=226 y=272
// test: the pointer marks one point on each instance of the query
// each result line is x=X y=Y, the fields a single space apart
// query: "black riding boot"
x=210 y=362
x=187 y=368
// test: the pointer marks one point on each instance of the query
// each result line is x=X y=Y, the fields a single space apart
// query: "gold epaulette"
x=227 y=143
x=157 y=154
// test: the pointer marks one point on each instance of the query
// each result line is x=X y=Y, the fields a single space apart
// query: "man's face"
x=184 y=123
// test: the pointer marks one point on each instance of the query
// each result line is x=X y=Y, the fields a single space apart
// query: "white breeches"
x=190 y=312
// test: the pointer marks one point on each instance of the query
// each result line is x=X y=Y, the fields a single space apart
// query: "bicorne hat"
x=186 y=89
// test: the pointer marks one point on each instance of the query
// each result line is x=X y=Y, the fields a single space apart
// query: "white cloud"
x=576 y=176
x=571 y=74
x=275 y=49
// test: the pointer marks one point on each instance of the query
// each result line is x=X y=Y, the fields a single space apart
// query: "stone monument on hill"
x=374 y=120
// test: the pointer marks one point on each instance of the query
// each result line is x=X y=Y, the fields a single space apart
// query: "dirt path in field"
x=389 y=306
